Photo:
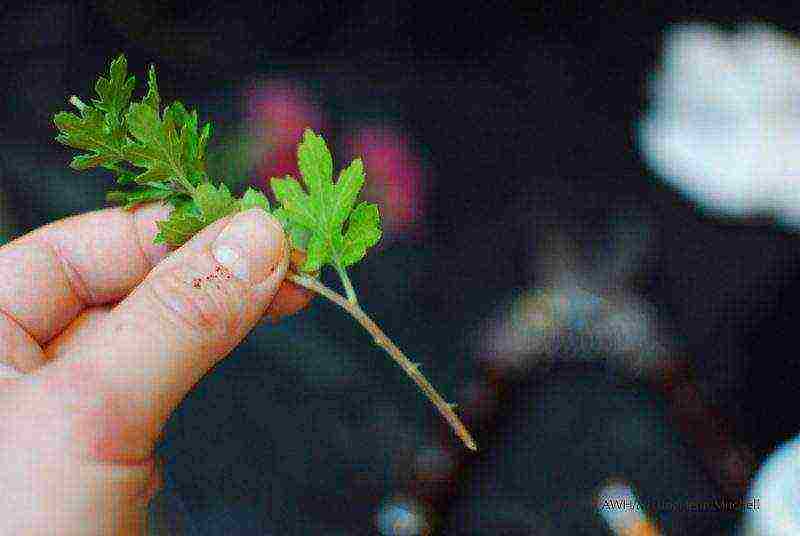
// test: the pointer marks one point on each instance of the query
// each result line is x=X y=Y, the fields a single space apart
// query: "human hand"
x=102 y=334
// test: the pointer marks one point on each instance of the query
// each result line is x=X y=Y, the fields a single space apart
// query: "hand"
x=104 y=333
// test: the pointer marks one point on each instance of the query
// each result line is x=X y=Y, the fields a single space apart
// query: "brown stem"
x=410 y=368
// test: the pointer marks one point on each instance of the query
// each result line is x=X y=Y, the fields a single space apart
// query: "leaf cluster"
x=156 y=154
x=159 y=155
x=315 y=219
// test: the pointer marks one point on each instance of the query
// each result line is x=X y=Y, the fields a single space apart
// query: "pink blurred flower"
x=396 y=177
x=277 y=113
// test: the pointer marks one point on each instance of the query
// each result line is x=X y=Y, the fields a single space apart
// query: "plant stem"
x=348 y=286
x=410 y=368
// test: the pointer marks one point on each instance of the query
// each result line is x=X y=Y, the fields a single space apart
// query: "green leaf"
x=145 y=125
x=214 y=203
x=349 y=185
x=296 y=204
x=298 y=234
x=363 y=232
x=115 y=91
x=152 y=99
x=88 y=161
x=253 y=199
x=188 y=139
x=98 y=129
x=183 y=223
x=315 y=218
x=209 y=204
x=136 y=197
x=177 y=111
x=205 y=134
x=157 y=173
x=125 y=177
x=160 y=154
x=168 y=147
x=316 y=165
x=117 y=197
x=318 y=252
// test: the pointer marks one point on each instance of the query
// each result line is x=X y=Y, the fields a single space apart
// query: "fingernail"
x=250 y=246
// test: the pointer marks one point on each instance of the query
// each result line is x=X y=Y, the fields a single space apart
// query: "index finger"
x=49 y=275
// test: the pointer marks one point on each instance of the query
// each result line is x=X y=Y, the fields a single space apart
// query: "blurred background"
x=592 y=245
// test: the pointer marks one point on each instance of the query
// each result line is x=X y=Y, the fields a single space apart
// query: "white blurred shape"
x=575 y=321
x=724 y=120
x=773 y=506
x=582 y=310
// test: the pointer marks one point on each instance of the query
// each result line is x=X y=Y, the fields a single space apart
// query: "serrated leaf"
x=136 y=197
x=144 y=124
x=97 y=130
x=177 y=113
x=113 y=129
x=86 y=132
x=315 y=219
x=296 y=204
x=183 y=223
x=139 y=155
x=169 y=133
x=318 y=252
x=170 y=143
x=253 y=199
x=152 y=99
x=125 y=178
x=188 y=138
x=157 y=173
x=195 y=172
x=205 y=135
x=209 y=204
x=349 y=185
x=363 y=232
x=316 y=165
x=165 y=147
x=298 y=234
x=67 y=121
x=115 y=91
x=88 y=161
x=214 y=203
x=117 y=197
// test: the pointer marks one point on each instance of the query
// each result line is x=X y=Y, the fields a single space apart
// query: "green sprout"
x=159 y=154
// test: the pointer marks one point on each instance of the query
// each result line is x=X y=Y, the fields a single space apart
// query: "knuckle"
x=206 y=306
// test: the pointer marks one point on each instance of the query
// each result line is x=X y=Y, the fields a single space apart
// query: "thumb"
x=190 y=312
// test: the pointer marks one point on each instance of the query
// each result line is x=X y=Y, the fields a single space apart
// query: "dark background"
x=525 y=117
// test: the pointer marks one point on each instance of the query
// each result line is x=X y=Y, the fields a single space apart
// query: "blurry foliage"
x=231 y=156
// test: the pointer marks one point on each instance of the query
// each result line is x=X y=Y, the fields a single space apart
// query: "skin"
x=102 y=334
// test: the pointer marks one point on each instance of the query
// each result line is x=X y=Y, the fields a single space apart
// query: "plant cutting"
x=157 y=154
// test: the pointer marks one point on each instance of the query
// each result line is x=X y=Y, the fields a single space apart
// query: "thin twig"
x=410 y=368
